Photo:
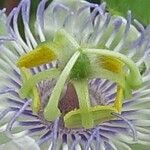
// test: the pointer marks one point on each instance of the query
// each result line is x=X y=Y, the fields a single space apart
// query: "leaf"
x=139 y=8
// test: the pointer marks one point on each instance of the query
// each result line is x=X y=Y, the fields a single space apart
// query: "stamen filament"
x=84 y=103
x=106 y=74
x=34 y=95
x=33 y=80
x=51 y=111
x=118 y=99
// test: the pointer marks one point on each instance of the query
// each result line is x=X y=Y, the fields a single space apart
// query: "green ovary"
x=82 y=68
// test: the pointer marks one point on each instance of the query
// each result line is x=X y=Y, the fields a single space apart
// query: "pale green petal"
x=147 y=62
x=54 y=18
x=64 y=46
x=3 y=138
x=140 y=147
x=121 y=145
x=117 y=39
x=24 y=143
x=3 y=30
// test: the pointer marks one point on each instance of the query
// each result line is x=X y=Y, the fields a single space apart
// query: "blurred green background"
x=140 y=11
x=140 y=8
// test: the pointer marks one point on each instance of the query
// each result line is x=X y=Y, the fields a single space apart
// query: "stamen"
x=35 y=79
x=118 y=99
x=132 y=128
x=111 y=64
x=84 y=103
x=36 y=102
x=133 y=79
x=51 y=111
x=40 y=55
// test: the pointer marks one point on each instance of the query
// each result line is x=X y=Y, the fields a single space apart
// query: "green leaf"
x=140 y=9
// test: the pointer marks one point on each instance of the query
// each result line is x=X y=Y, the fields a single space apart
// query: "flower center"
x=81 y=68
x=77 y=66
x=69 y=101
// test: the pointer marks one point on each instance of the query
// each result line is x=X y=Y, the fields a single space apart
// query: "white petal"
x=121 y=146
x=3 y=29
x=3 y=138
x=25 y=143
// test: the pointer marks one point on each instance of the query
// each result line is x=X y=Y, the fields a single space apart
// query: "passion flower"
x=81 y=80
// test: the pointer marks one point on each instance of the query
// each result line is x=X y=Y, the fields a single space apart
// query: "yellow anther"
x=41 y=55
x=36 y=102
x=116 y=66
x=111 y=64
x=118 y=99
